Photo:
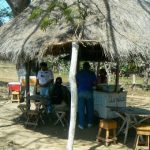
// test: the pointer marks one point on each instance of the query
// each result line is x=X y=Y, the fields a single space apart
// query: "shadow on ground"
x=88 y=134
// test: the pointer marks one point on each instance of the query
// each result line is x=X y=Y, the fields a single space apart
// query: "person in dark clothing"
x=102 y=77
x=60 y=95
x=86 y=79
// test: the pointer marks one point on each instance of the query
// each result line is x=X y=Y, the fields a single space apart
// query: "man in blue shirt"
x=86 y=79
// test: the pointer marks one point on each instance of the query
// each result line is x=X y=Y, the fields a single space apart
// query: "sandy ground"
x=15 y=136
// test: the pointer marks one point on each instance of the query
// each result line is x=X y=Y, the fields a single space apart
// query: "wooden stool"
x=15 y=96
x=107 y=125
x=142 y=131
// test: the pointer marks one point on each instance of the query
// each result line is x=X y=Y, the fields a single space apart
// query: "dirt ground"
x=15 y=136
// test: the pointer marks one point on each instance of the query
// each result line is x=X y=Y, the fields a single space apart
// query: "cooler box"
x=32 y=80
x=14 y=86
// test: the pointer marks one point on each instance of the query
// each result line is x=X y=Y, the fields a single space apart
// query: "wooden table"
x=39 y=101
x=34 y=115
x=131 y=116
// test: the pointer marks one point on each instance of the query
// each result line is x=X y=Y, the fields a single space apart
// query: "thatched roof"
x=116 y=28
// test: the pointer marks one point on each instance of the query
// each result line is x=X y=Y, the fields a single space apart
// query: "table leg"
x=126 y=130
x=122 y=126
x=124 y=122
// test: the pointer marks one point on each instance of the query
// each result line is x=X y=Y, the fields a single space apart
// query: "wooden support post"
x=28 y=70
x=117 y=76
x=72 y=80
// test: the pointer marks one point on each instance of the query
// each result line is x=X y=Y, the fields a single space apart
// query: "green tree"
x=74 y=14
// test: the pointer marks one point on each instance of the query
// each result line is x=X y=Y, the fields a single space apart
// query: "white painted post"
x=72 y=80
x=133 y=79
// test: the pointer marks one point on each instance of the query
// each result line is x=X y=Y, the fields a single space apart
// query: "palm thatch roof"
x=113 y=29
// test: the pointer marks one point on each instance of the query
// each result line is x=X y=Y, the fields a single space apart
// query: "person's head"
x=43 y=66
x=58 y=81
x=86 y=66
x=103 y=72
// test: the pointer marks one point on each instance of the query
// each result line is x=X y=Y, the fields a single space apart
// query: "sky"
x=3 y=4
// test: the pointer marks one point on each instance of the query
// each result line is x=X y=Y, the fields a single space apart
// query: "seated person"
x=102 y=77
x=60 y=95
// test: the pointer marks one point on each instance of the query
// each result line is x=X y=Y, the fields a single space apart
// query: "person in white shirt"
x=45 y=79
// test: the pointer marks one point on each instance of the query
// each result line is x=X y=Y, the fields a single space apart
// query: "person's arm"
x=66 y=95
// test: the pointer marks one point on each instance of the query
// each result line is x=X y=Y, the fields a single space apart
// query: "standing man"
x=86 y=79
x=45 y=79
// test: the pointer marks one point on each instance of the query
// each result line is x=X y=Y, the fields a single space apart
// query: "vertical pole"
x=28 y=70
x=72 y=80
x=97 y=68
x=117 y=76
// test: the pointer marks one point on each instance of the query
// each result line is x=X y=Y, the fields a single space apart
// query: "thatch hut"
x=116 y=29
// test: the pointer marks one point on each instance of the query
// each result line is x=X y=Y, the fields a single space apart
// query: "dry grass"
x=8 y=74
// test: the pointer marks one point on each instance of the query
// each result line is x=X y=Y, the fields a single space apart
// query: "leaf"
x=35 y=13
x=46 y=22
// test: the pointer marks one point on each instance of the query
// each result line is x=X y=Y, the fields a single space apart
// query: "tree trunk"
x=18 y=6
x=72 y=79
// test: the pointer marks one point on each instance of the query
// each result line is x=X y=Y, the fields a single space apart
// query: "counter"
x=104 y=99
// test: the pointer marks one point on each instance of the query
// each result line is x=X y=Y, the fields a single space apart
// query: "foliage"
x=75 y=13
x=130 y=67
x=58 y=65
x=35 y=13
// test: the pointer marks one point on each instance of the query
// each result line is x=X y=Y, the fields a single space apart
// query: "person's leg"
x=44 y=91
x=47 y=92
x=90 y=108
x=81 y=109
